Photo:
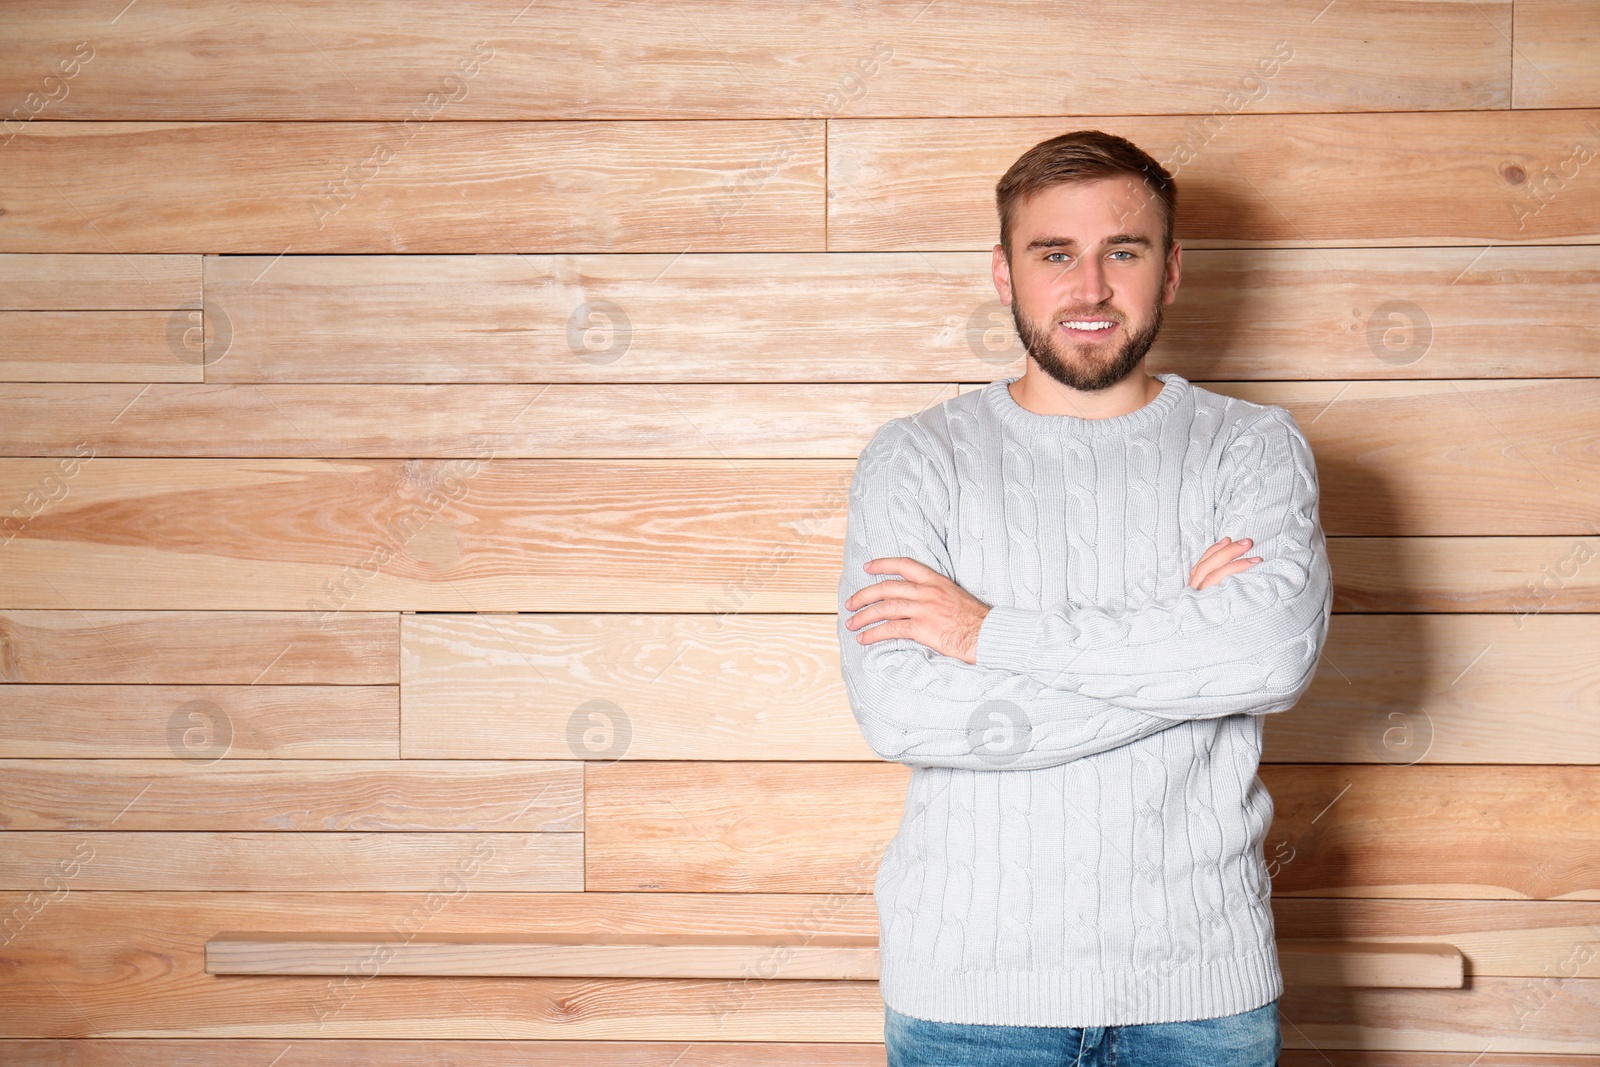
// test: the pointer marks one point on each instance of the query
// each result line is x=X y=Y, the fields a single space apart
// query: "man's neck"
x=1037 y=392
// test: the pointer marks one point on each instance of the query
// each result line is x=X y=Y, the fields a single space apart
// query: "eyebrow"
x=1069 y=242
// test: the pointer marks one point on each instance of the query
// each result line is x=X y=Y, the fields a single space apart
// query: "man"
x=1048 y=612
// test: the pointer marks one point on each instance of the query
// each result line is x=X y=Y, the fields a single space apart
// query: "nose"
x=1086 y=281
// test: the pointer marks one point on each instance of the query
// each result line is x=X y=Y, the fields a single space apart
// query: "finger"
x=887 y=631
x=902 y=565
x=1221 y=552
x=1226 y=547
x=1206 y=567
x=877 y=591
x=880 y=610
x=1236 y=567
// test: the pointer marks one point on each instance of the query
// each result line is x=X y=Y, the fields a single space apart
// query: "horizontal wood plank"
x=101 y=346
x=199 y=647
x=1524 y=575
x=1556 y=61
x=322 y=862
x=455 y=421
x=1371 y=965
x=309 y=796
x=569 y=59
x=510 y=187
x=1396 y=689
x=1547 y=1015
x=1374 y=831
x=505 y=955
x=357 y=1052
x=1280 y=313
x=360 y=1052
x=1406 y=178
x=1455 y=459
x=97 y=281
x=739 y=827
x=199 y=723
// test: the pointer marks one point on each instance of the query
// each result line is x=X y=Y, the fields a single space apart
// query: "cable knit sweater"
x=1082 y=842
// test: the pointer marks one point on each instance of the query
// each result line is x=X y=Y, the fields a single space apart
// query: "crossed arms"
x=935 y=677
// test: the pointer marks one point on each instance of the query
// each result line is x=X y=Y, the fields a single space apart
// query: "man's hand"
x=927 y=607
x=1221 y=560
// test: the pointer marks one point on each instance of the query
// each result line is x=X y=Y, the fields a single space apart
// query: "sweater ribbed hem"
x=1108 y=997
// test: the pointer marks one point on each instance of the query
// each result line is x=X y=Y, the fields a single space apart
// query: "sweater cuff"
x=1006 y=639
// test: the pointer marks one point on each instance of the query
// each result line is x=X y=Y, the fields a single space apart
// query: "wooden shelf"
x=823 y=956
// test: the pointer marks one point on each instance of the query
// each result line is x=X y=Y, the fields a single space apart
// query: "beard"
x=1088 y=373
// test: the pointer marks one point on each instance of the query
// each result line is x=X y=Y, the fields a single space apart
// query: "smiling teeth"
x=1081 y=324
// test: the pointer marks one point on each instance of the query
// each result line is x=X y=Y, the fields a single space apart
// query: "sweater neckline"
x=1173 y=389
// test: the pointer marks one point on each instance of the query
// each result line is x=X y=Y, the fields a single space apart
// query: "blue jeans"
x=1249 y=1039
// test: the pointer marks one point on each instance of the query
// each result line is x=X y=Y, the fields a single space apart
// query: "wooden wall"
x=426 y=437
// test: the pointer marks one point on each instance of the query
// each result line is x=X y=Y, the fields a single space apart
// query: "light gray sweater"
x=1082 y=842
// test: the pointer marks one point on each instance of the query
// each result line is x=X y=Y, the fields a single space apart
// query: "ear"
x=1002 y=275
x=1174 y=268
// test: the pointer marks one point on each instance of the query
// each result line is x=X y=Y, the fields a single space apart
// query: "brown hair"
x=1082 y=156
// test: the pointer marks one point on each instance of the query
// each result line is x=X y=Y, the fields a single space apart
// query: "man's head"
x=1086 y=239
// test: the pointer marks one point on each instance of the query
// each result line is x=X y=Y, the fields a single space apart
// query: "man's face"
x=1088 y=278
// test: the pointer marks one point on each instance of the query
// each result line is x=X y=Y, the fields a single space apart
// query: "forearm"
x=918 y=707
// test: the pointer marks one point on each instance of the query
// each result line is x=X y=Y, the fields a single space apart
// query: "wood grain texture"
x=275 y=187
x=701 y=60
x=1546 y=1015
x=355 y=1052
x=1279 y=313
x=506 y=955
x=322 y=862
x=126 y=959
x=1524 y=575
x=1371 y=964
x=1556 y=61
x=739 y=827
x=1441 y=832
x=101 y=346
x=456 y=421
x=199 y=723
x=305 y=796
x=97 y=281
x=1267 y=180
x=199 y=648
x=1478 y=450
x=358 y=1052
x=1505 y=938
x=1453 y=459
x=1405 y=689
x=1397 y=689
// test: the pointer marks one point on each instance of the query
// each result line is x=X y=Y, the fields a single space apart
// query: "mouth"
x=1089 y=329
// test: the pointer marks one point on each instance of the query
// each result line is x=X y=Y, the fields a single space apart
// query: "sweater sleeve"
x=1246 y=645
x=917 y=706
